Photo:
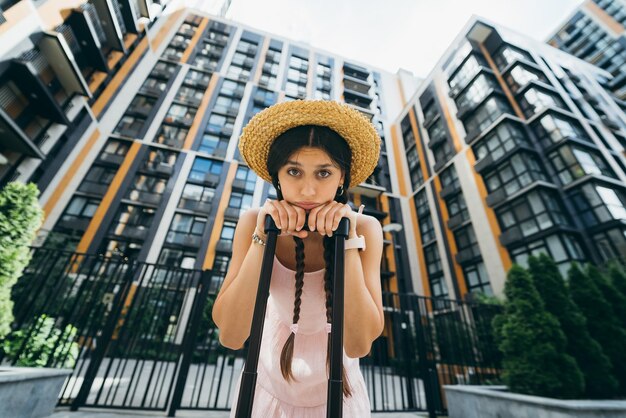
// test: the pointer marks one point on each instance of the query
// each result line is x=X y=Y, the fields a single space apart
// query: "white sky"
x=393 y=34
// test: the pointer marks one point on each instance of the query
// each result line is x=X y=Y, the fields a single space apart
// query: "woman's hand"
x=287 y=217
x=325 y=218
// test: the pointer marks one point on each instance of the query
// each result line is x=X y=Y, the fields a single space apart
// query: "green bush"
x=533 y=344
x=42 y=345
x=20 y=218
x=602 y=324
x=610 y=293
x=618 y=277
x=595 y=365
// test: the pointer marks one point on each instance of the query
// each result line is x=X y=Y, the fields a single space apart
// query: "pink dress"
x=306 y=398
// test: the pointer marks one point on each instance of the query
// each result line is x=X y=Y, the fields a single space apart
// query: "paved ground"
x=97 y=413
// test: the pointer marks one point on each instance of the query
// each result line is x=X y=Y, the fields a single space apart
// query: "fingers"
x=288 y=218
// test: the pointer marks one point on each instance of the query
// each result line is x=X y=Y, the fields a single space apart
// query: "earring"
x=278 y=186
x=341 y=190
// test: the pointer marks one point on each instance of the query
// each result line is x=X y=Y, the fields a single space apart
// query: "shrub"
x=601 y=321
x=533 y=344
x=20 y=217
x=594 y=364
x=42 y=345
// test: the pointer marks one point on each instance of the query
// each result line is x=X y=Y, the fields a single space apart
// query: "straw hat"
x=350 y=124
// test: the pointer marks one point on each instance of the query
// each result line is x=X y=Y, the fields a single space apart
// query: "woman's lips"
x=307 y=206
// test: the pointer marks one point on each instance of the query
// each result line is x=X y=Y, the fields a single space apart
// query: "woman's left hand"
x=325 y=218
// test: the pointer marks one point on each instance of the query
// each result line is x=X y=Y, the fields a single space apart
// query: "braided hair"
x=338 y=150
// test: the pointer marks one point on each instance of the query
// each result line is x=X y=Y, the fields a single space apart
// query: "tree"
x=20 y=218
x=594 y=364
x=601 y=321
x=610 y=293
x=532 y=343
x=618 y=277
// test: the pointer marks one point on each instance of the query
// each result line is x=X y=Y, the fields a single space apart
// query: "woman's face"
x=310 y=178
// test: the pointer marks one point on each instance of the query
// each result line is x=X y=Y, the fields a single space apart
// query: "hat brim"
x=349 y=123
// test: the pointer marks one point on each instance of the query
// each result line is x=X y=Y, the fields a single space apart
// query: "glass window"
x=552 y=128
x=477 y=91
x=486 y=114
x=501 y=140
x=202 y=166
x=438 y=286
x=598 y=204
x=520 y=75
x=534 y=212
x=573 y=162
x=426 y=229
x=562 y=248
x=534 y=100
x=507 y=54
x=516 y=173
x=477 y=279
x=469 y=69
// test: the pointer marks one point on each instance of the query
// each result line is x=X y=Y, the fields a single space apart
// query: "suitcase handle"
x=335 y=383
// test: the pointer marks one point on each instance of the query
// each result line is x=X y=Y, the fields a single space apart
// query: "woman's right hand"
x=288 y=218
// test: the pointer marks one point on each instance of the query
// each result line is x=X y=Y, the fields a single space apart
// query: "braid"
x=287 y=353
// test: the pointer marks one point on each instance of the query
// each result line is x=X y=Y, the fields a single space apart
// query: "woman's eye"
x=291 y=172
x=325 y=174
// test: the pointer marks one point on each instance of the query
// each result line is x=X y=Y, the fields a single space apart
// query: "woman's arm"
x=234 y=306
x=363 y=308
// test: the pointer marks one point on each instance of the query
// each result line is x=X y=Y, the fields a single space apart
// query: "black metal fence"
x=141 y=336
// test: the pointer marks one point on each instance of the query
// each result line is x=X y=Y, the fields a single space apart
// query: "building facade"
x=512 y=148
x=134 y=146
x=129 y=127
x=596 y=33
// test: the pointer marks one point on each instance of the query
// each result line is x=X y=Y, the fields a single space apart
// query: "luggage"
x=335 y=384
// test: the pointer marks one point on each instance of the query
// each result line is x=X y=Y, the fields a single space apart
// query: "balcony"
x=465 y=256
x=196 y=206
x=15 y=138
x=456 y=221
x=145 y=197
x=211 y=179
x=110 y=25
x=232 y=214
x=130 y=231
x=81 y=22
x=111 y=158
x=73 y=223
x=224 y=246
x=183 y=238
x=511 y=236
x=449 y=190
x=158 y=168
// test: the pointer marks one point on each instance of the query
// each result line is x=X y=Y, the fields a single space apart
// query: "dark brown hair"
x=338 y=150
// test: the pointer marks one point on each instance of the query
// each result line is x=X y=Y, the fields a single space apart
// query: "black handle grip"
x=343 y=228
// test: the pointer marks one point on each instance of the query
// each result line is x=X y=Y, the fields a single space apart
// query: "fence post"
x=199 y=303
x=105 y=340
x=425 y=365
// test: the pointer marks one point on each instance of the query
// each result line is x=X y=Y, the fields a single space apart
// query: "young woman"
x=312 y=152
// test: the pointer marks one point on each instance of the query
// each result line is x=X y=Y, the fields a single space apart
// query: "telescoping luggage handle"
x=334 y=404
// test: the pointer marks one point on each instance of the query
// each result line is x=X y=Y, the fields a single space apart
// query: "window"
x=438 y=286
x=532 y=213
x=215 y=145
x=573 y=162
x=466 y=242
x=443 y=152
x=598 y=204
x=553 y=128
x=486 y=114
x=437 y=132
x=225 y=104
x=457 y=206
x=469 y=69
x=172 y=135
x=501 y=140
x=202 y=166
x=477 y=91
x=427 y=229
x=131 y=220
x=231 y=88
x=226 y=236
x=130 y=126
x=247 y=177
x=611 y=244
x=196 y=193
x=160 y=160
x=449 y=177
x=184 y=227
x=421 y=203
x=518 y=172
x=147 y=189
x=97 y=179
x=534 y=100
x=197 y=78
x=220 y=123
x=520 y=75
x=562 y=248
x=80 y=207
x=477 y=279
x=177 y=257
x=507 y=54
